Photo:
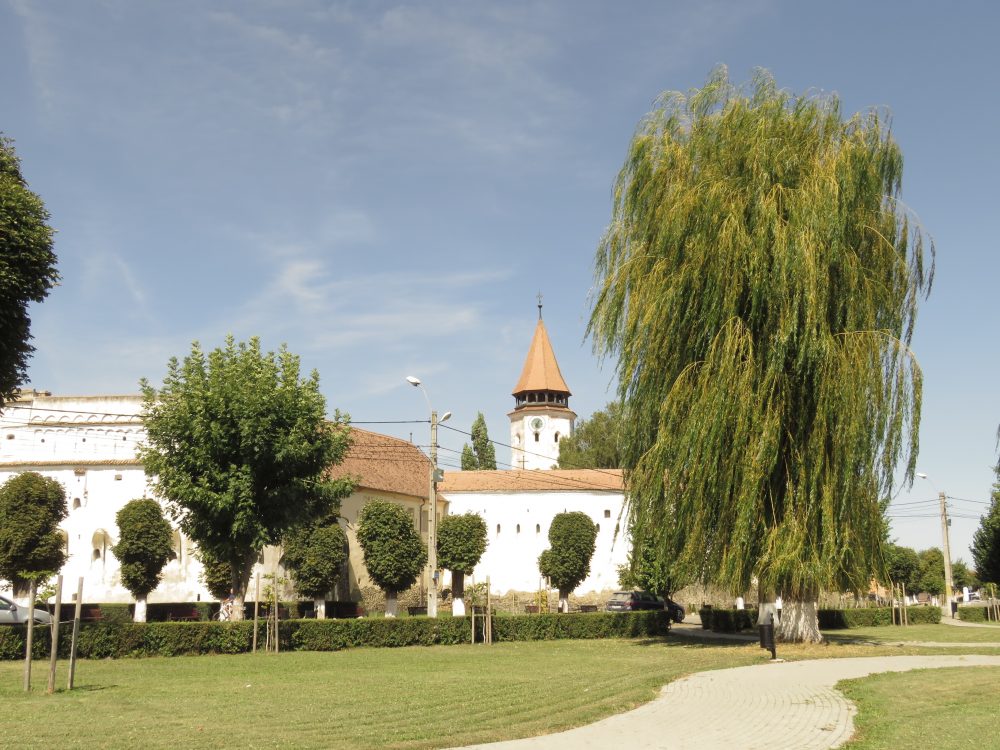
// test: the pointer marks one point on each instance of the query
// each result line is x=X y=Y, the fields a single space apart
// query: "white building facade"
x=88 y=445
x=518 y=507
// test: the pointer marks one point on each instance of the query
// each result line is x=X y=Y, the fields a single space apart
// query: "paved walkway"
x=774 y=706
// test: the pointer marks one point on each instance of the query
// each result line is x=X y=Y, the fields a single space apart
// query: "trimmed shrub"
x=837 y=619
x=101 y=640
x=705 y=613
x=731 y=620
x=975 y=613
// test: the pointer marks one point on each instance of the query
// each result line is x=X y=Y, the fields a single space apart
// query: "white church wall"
x=518 y=526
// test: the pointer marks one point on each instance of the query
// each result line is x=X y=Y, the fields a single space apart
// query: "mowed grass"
x=364 y=698
x=926 y=633
x=946 y=708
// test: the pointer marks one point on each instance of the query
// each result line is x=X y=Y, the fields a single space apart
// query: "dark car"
x=14 y=614
x=675 y=610
x=631 y=601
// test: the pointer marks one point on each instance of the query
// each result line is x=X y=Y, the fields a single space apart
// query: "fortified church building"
x=88 y=444
x=519 y=504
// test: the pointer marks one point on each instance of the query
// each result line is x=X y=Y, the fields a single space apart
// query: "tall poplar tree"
x=758 y=286
x=482 y=454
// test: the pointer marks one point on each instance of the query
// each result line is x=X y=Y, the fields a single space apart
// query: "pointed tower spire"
x=541 y=415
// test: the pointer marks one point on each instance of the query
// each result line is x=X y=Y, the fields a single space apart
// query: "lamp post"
x=946 y=608
x=432 y=598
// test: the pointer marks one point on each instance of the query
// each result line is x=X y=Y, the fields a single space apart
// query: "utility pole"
x=946 y=608
x=432 y=593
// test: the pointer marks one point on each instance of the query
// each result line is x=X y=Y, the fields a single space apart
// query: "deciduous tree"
x=31 y=548
x=394 y=553
x=314 y=556
x=758 y=286
x=566 y=563
x=239 y=446
x=27 y=267
x=986 y=541
x=594 y=443
x=461 y=541
x=143 y=549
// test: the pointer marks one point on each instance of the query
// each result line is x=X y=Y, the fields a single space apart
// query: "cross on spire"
x=539 y=305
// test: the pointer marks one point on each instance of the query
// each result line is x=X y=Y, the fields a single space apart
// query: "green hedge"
x=100 y=640
x=705 y=613
x=732 y=620
x=838 y=619
x=976 y=613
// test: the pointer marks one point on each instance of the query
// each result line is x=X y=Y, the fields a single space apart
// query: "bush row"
x=735 y=620
x=727 y=620
x=976 y=613
x=837 y=619
x=100 y=640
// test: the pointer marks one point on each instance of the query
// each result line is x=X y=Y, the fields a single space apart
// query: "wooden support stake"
x=488 y=635
x=256 y=610
x=30 y=636
x=54 y=656
x=471 y=598
x=906 y=610
x=76 y=634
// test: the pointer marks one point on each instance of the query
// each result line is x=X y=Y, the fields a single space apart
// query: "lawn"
x=404 y=698
x=362 y=698
x=946 y=708
x=939 y=633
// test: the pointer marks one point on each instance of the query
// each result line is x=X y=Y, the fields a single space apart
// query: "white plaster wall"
x=511 y=557
x=87 y=444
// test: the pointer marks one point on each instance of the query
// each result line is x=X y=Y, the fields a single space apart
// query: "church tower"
x=541 y=416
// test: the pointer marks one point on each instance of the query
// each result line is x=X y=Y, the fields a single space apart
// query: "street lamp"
x=946 y=609
x=436 y=475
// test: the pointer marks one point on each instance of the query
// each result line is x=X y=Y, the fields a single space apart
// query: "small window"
x=556 y=439
x=536 y=437
x=97 y=555
x=518 y=530
x=498 y=528
x=76 y=503
x=598 y=528
x=607 y=514
x=538 y=528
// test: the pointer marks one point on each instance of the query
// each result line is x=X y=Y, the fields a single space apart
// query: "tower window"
x=519 y=528
x=538 y=528
x=607 y=514
x=557 y=437
x=498 y=528
x=598 y=528
x=76 y=503
x=536 y=437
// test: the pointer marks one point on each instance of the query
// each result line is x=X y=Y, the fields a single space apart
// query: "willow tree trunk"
x=799 y=622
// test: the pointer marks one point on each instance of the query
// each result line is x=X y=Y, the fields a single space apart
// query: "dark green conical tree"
x=481 y=455
x=758 y=287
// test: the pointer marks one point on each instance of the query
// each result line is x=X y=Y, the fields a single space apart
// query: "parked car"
x=629 y=601
x=675 y=610
x=12 y=613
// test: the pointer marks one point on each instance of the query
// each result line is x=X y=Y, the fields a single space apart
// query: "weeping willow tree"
x=758 y=285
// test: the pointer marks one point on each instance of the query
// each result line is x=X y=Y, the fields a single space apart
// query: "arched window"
x=177 y=547
x=518 y=530
x=536 y=437
x=538 y=528
x=76 y=503
x=556 y=439
x=598 y=528
x=498 y=528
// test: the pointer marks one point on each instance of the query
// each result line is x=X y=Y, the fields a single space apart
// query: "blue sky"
x=386 y=186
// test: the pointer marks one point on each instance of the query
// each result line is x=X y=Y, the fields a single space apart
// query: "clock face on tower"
x=537 y=423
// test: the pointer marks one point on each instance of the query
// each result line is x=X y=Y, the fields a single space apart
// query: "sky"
x=385 y=187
